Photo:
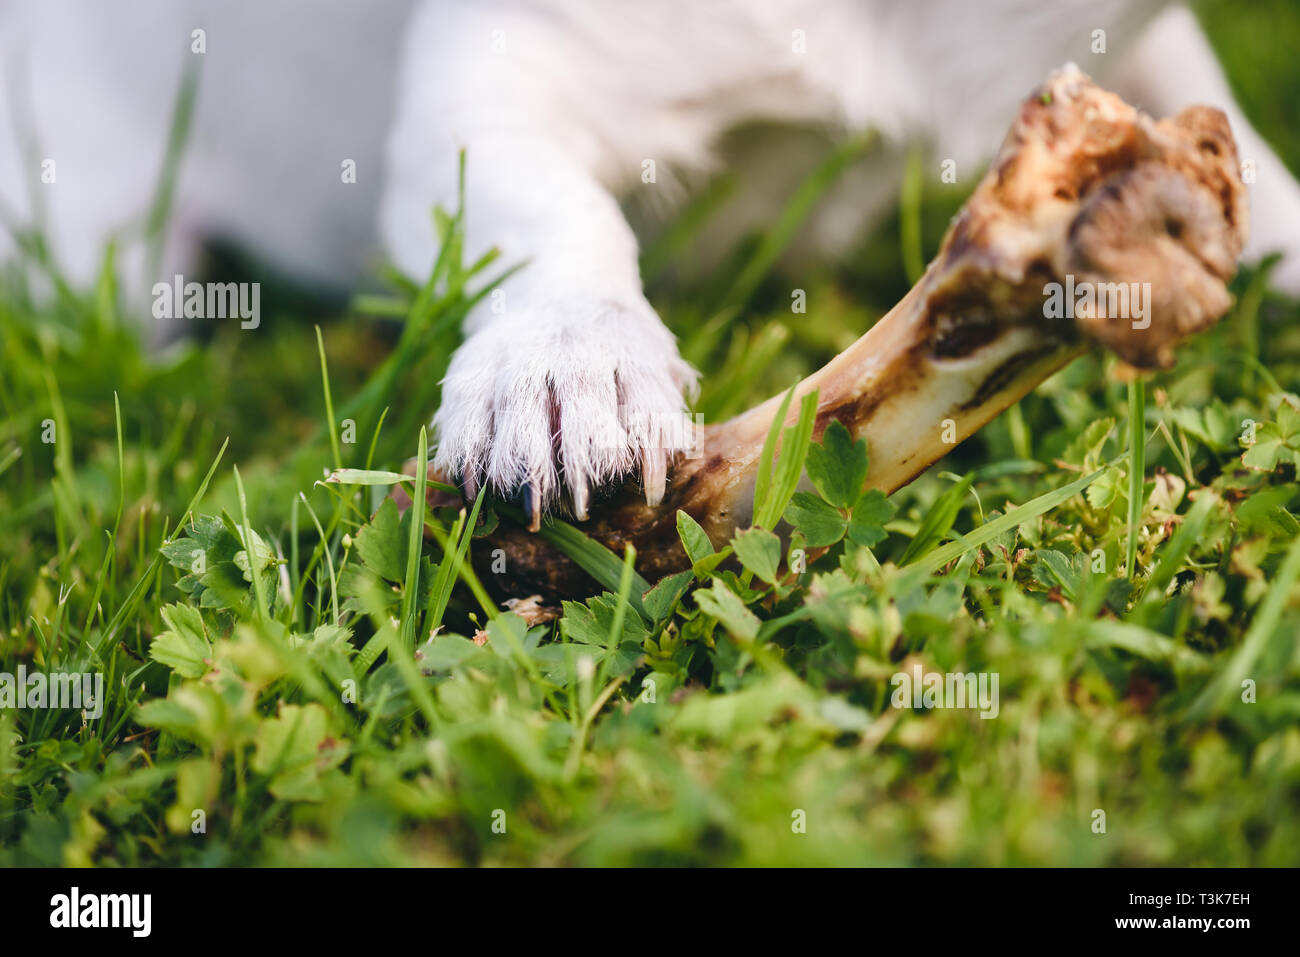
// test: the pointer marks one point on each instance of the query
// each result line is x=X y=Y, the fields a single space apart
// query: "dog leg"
x=567 y=380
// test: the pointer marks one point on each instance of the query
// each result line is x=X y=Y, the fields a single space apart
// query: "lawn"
x=293 y=674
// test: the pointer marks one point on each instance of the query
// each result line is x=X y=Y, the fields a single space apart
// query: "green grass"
x=256 y=624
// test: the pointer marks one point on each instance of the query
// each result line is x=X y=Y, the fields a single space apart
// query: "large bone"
x=1084 y=189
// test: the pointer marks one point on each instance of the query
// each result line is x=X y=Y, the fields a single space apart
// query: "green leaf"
x=1214 y=426
x=224 y=586
x=760 y=551
x=263 y=558
x=1107 y=490
x=193 y=711
x=184 y=647
x=1085 y=450
x=660 y=601
x=445 y=652
x=593 y=624
x=380 y=544
x=1137 y=439
x=1053 y=570
x=845 y=716
x=870 y=513
x=705 y=566
x=207 y=552
x=1264 y=511
x=820 y=523
x=722 y=603
x=1272 y=447
x=838 y=465
x=195 y=780
x=377 y=477
x=171 y=716
x=1276 y=442
x=1288 y=418
x=206 y=536
x=694 y=539
x=590 y=624
x=295 y=748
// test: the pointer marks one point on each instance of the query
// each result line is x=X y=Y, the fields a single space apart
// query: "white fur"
x=571 y=381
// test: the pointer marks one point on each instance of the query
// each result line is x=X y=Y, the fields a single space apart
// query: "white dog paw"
x=555 y=403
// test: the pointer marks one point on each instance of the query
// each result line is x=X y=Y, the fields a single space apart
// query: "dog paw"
x=555 y=403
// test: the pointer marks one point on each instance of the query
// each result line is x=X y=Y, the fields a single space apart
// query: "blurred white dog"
x=572 y=382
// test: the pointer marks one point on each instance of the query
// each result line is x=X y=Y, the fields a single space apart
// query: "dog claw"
x=532 y=503
x=654 y=475
x=581 y=495
x=470 y=485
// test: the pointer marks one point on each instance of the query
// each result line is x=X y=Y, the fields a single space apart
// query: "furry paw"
x=565 y=398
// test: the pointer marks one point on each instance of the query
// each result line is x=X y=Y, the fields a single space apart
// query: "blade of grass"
x=329 y=563
x=938 y=521
x=789 y=466
x=620 y=609
x=117 y=522
x=450 y=567
x=332 y=428
x=293 y=564
x=944 y=554
x=793 y=454
x=466 y=572
x=250 y=540
x=374 y=439
x=418 y=505
x=1021 y=440
x=1137 y=469
x=763 y=481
